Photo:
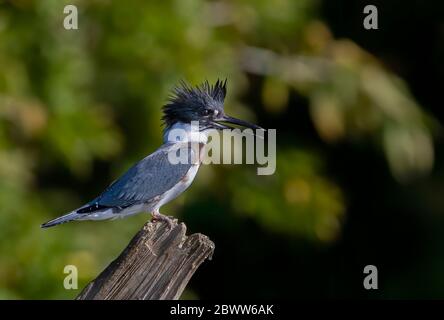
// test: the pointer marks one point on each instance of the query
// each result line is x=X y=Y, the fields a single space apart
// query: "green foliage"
x=74 y=101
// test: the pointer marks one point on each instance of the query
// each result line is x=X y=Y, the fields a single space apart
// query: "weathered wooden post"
x=157 y=264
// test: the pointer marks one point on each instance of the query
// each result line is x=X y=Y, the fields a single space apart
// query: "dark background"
x=359 y=176
x=402 y=238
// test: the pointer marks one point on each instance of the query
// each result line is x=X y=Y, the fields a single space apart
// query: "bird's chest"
x=189 y=177
x=196 y=155
x=179 y=187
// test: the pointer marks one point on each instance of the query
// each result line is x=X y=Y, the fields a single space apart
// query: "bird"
x=155 y=180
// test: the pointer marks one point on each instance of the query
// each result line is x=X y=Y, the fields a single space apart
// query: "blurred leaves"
x=297 y=199
x=71 y=101
x=351 y=96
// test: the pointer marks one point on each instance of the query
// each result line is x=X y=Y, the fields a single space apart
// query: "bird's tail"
x=65 y=218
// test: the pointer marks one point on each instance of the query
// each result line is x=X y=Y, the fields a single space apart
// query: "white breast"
x=180 y=187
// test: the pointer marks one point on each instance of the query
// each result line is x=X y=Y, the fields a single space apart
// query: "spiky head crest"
x=188 y=103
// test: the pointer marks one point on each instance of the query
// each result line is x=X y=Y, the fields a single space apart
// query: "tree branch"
x=157 y=264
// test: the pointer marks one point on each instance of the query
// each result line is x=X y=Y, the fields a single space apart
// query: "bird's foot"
x=157 y=216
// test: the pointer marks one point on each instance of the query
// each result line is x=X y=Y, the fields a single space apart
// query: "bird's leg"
x=157 y=216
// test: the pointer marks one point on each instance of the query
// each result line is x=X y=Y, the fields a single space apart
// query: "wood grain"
x=157 y=264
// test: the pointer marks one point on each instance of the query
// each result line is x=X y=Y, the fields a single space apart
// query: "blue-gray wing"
x=151 y=177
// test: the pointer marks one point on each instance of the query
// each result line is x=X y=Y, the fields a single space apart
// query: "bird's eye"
x=206 y=112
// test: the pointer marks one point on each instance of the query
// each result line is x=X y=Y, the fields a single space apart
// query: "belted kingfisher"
x=155 y=180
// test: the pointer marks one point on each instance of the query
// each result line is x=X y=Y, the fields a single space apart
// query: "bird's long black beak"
x=220 y=123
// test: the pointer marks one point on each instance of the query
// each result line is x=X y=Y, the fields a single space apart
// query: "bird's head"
x=203 y=103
